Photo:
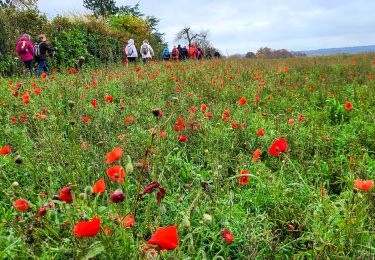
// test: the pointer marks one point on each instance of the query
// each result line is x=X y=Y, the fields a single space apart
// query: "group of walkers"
x=177 y=53
x=37 y=52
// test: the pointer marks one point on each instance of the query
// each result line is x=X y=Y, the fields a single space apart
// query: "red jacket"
x=25 y=49
x=193 y=52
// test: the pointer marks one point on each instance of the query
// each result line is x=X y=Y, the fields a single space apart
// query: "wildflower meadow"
x=213 y=159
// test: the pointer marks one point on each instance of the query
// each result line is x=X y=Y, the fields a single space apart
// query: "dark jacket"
x=44 y=48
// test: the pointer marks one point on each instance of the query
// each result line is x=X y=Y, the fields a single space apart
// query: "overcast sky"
x=239 y=26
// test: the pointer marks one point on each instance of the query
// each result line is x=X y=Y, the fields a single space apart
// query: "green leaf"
x=95 y=249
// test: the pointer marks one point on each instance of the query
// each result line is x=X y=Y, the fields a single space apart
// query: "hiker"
x=193 y=52
x=200 y=53
x=179 y=48
x=40 y=52
x=184 y=53
x=25 y=50
x=217 y=55
x=146 y=51
x=166 y=54
x=130 y=51
x=79 y=63
x=175 y=53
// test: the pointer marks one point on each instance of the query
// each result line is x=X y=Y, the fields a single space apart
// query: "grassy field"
x=236 y=159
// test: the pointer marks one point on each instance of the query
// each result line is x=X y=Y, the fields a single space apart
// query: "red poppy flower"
x=243 y=180
x=86 y=119
x=163 y=134
x=363 y=185
x=94 y=103
x=260 y=132
x=21 y=205
x=207 y=115
x=301 y=118
x=235 y=125
x=348 y=106
x=182 y=138
x=242 y=101
x=140 y=75
x=66 y=195
x=203 y=107
x=117 y=196
x=113 y=155
x=15 y=94
x=278 y=147
x=99 y=186
x=165 y=238
x=44 y=75
x=13 y=119
x=5 y=150
x=26 y=97
x=116 y=173
x=291 y=121
x=227 y=235
x=129 y=119
x=108 y=99
x=256 y=154
x=225 y=115
x=257 y=100
x=87 y=228
x=37 y=91
x=128 y=221
x=179 y=125
x=41 y=212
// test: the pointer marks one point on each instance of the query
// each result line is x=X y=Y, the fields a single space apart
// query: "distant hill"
x=331 y=51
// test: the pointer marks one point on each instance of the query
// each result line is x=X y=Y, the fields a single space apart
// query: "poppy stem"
x=299 y=175
x=140 y=178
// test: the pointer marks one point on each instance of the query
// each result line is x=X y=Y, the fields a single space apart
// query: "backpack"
x=175 y=53
x=24 y=48
x=37 y=53
x=129 y=51
x=166 y=54
x=144 y=49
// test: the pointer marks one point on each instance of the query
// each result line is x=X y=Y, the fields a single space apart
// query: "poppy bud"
x=117 y=196
x=15 y=184
x=129 y=166
x=186 y=222
x=83 y=196
x=207 y=217
x=18 y=159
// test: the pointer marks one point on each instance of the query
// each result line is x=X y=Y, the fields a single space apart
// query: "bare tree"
x=188 y=35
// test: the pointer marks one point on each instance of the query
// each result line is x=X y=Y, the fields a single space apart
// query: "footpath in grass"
x=219 y=159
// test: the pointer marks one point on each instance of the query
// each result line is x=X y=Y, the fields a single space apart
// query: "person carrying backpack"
x=40 y=53
x=146 y=51
x=166 y=55
x=184 y=53
x=179 y=48
x=193 y=52
x=130 y=51
x=175 y=53
x=25 y=50
x=200 y=53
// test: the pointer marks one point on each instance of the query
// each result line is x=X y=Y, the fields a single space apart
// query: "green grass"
x=310 y=186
